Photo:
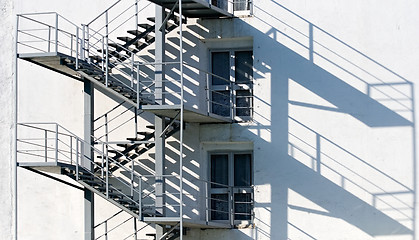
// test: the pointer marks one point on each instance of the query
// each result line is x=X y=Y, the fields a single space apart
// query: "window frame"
x=234 y=87
x=232 y=189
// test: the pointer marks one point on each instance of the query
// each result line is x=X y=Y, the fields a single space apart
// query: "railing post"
x=136 y=14
x=140 y=199
x=56 y=32
x=231 y=205
x=135 y=228
x=208 y=95
x=107 y=176
x=138 y=86
x=132 y=70
x=106 y=230
x=77 y=48
x=49 y=38
x=71 y=46
x=103 y=156
x=46 y=146
x=135 y=122
x=231 y=101
x=71 y=150
x=106 y=128
x=83 y=42
x=103 y=53
x=56 y=143
x=132 y=177
x=206 y=203
x=107 y=50
x=77 y=159
x=87 y=44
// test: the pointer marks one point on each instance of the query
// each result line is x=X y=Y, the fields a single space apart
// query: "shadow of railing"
x=350 y=172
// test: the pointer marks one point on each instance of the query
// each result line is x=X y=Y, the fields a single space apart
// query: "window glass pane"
x=244 y=66
x=243 y=103
x=240 y=5
x=242 y=206
x=219 y=206
x=221 y=103
x=220 y=67
x=242 y=170
x=219 y=170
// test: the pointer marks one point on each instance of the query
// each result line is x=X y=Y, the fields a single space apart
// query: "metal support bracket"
x=168 y=232
x=169 y=125
x=163 y=25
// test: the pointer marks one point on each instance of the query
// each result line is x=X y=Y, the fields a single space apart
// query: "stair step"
x=125 y=39
x=115 y=45
x=135 y=139
x=145 y=25
x=151 y=19
x=103 y=189
x=151 y=126
x=141 y=45
x=94 y=183
x=145 y=133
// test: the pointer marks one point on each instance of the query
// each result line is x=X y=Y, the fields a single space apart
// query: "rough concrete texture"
x=6 y=119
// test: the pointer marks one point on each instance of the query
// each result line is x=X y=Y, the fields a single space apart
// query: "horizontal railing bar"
x=114 y=108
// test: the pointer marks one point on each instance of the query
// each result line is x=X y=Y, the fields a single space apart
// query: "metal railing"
x=50 y=142
x=47 y=32
x=64 y=147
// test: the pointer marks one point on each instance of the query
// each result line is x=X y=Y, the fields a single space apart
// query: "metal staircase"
x=112 y=61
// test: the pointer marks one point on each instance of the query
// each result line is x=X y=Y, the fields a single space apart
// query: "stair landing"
x=189 y=114
x=196 y=8
x=186 y=222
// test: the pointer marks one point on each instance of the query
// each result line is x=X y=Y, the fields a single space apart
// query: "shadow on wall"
x=364 y=193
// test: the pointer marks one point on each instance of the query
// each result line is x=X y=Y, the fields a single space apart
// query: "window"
x=231 y=85
x=231 y=177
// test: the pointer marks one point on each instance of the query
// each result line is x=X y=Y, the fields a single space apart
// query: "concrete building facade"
x=316 y=141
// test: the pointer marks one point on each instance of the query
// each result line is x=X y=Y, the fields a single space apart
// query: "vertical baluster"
x=77 y=48
x=107 y=50
x=107 y=176
x=140 y=199
x=83 y=42
x=49 y=38
x=46 y=145
x=77 y=159
x=106 y=230
x=138 y=86
x=103 y=53
x=71 y=150
x=206 y=203
x=103 y=156
x=132 y=70
x=56 y=32
x=56 y=143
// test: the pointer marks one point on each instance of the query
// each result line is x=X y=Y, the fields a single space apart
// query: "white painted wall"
x=334 y=142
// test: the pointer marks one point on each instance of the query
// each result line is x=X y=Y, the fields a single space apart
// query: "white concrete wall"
x=6 y=119
x=333 y=134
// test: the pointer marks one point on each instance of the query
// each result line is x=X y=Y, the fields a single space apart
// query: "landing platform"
x=186 y=222
x=50 y=167
x=52 y=61
x=189 y=115
x=196 y=8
